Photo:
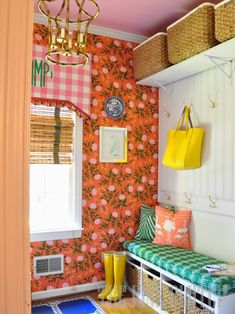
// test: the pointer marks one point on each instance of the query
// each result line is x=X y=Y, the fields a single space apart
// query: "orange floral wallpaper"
x=112 y=193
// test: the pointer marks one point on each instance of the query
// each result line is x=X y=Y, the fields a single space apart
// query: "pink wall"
x=112 y=193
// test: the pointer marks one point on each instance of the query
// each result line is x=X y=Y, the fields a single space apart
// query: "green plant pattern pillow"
x=146 y=230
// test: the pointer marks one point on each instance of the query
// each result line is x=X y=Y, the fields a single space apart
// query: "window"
x=55 y=173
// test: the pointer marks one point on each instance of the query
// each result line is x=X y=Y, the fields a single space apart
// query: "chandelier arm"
x=67 y=15
x=80 y=9
x=79 y=15
x=57 y=17
x=48 y=14
x=97 y=9
x=57 y=24
x=92 y=17
x=50 y=54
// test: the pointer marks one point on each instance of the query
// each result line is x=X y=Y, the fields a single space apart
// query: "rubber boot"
x=119 y=266
x=108 y=268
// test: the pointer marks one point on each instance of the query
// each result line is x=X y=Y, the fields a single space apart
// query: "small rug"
x=82 y=305
x=42 y=309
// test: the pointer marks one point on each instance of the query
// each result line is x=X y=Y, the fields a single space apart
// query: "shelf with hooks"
x=207 y=204
x=217 y=56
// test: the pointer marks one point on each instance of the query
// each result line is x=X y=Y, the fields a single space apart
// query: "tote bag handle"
x=185 y=115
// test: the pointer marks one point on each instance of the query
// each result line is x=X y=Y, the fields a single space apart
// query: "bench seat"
x=185 y=264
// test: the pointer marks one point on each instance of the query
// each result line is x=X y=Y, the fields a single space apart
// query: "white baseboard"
x=68 y=290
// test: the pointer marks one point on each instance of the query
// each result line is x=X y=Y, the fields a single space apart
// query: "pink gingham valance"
x=60 y=85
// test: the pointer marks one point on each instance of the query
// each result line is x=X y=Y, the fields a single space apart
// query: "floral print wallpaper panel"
x=112 y=192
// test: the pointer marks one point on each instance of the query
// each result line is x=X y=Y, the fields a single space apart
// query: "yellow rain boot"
x=108 y=268
x=119 y=266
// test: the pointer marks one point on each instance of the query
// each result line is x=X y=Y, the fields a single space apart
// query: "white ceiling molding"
x=103 y=31
x=113 y=33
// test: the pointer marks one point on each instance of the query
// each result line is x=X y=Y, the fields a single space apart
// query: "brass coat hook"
x=212 y=203
x=167 y=114
x=167 y=197
x=213 y=103
x=191 y=107
x=188 y=198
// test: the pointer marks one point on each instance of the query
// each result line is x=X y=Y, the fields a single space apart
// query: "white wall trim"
x=66 y=291
x=113 y=33
x=55 y=235
x=103 y=31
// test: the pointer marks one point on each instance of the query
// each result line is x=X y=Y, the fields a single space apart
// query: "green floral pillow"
x=146 y=230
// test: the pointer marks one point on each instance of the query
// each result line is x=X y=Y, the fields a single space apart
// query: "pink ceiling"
x=142 y=17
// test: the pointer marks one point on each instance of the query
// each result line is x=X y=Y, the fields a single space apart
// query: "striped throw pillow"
x=146 y=230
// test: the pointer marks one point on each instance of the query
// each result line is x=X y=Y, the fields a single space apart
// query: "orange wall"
x=15 y=64
x=112 y=193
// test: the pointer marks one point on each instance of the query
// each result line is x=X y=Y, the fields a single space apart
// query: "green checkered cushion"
x=183 y=263
x=146 y=230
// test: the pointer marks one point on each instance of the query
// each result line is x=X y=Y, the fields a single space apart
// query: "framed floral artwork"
x=113 y=144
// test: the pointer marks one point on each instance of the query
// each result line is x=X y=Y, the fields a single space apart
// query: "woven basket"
x=173 y=300
x=225 y=20
x=133 y=275
x=151 y=56
x=152 y=288
x=193 y=308
x=192 y=34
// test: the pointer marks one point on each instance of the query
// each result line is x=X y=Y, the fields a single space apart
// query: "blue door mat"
x=82 y=305
x=42 y=309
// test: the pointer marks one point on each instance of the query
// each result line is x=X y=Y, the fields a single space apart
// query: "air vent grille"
x=48 y=265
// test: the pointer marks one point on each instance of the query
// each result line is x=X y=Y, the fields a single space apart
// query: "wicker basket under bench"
x=168 y=293
x=133 y=274
x=192 y=34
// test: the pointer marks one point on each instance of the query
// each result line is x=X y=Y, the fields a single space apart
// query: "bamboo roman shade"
x=51 y=135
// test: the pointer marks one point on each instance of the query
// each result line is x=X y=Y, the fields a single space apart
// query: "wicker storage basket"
x=192 y=34
x=133 y=276
x=194 y=308
x=152 y=288
x=151 y=56
x=173 y=300
x=225 y=20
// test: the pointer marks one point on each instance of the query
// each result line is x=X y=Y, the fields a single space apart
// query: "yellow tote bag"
x=184 y=146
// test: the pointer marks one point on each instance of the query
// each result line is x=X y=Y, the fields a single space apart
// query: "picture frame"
x=113 y=144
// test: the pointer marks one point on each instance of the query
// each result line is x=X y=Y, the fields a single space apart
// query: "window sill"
x=55 y=235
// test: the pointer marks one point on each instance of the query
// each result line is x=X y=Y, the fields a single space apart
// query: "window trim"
x=77 y=231
x=55 y=235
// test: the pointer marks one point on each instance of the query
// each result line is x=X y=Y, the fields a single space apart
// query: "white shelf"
x=191 y=66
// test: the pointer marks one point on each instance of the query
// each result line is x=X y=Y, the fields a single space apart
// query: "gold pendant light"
x=67 y=41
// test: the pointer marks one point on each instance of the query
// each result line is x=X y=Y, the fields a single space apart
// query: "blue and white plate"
x=114 y=107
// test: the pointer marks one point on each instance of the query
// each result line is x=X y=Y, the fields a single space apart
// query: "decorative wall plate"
x=114 y=107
